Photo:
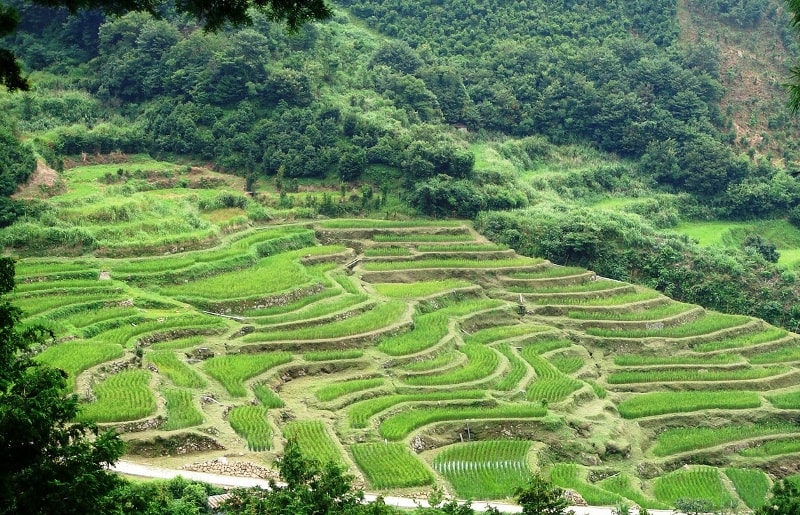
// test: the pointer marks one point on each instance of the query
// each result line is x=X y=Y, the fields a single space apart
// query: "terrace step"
x=681 y=318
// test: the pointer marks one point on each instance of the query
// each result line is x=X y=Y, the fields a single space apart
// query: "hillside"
x=435 y=242
x=412 y=352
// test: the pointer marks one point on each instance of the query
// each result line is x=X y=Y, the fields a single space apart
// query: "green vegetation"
x=751 y=485
x=359 y=413
x=398 y=426
x=330 y=355
x=268 y=398
x=625 y=486
x=772 y=448
x=378 y=317
x=660 y=376
x=75 y=357
x=696 y=483
x=233 y=370
x=428 y=330
x=314 y=440
x=419 y=289
x=742 y=341
x=481 y=363
x=376 y=266
x=250 y=422
x=485 y=470
x=630 y=360
x=176 y=370
x=390 y=465
x=181 y=410
x=571 y=476
x=123 y=396
x=660 y=403
x=517 y=372
x=709 y=323
x=657 y=313
x=676 y=440
x=551 y=385
x=336 y=390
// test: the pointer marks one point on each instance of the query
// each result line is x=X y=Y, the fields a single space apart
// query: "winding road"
x=140 y=470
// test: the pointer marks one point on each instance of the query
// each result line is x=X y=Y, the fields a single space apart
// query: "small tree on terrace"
x=540 y=497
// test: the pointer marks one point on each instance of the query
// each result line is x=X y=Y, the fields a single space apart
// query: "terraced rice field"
x=438 y=357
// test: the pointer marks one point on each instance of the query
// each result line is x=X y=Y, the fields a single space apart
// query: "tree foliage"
x=50 y=464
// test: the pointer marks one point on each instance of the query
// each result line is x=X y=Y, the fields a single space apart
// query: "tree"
x=785 y=500
x=50 y=464
x=213 y=15
x=540 y=497
x=311 y=489
x=794 y=86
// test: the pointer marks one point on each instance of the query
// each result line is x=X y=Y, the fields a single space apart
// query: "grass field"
x=390 y=465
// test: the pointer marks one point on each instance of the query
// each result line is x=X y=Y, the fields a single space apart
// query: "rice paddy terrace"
x=415 y=353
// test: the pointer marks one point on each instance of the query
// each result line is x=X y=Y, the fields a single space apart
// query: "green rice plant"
x=700 y=482
x=550 y=272
x=569 y=475
x=711 y=322
x=588 y=286
x=181 y=410
x=745 y=340
x=268 y=398
x=69 y=284
x=481 y=363
x=293 y=306
x=625 y=486
x=547 y=345
x=657 y=313
x=37 y=304
x=551 y=385
x=428 y=330
x=751 y=485
x=29 y=268
x=180 y=343
x=114 y=326
x=400 y=425
x=786 y=354
x=614 y=300
x=438 y=360
x=661 y=403
x=270 y=275
x=380 y=317
x=419 y=289
x=567 y=364
x=358 y=223
x=125 y=333
x=672 y=375
x=83 y=319
x=491 y=469
x=789 y=400
x=503 y=332
x=232 y=370
x=360 y=412
x=391 y=266
x=462 y=247
x=250 y=422
x=123 y=396
x=387 y=251
x=397 y=238
x=178 y=371
x=598 y=390
x=314 y=440
x=390 y=465
x=76 y=356
x=348 y=283
x=632 y=360
x=340 y=389
x=469 y=306
x=516 y=372
x=316 y=310
x=772 y=448
x=331 y=355
x=675 y=440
